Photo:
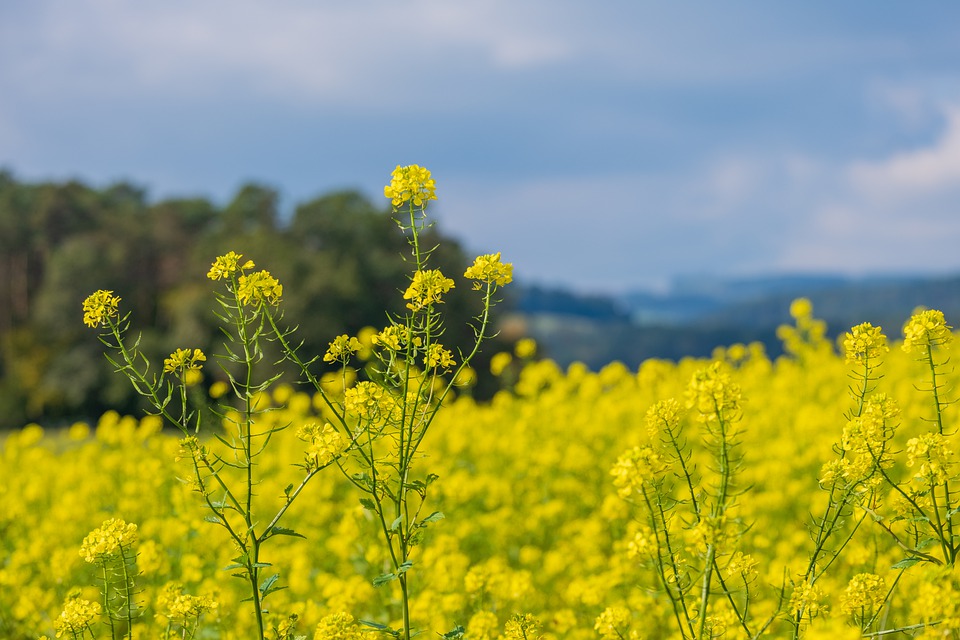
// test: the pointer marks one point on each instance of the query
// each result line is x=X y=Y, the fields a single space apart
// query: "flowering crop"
x=734 y=497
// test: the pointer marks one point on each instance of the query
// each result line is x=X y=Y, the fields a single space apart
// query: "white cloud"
x=916 y=172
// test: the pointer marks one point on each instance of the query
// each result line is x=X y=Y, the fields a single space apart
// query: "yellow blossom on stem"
x=612 y=623
x=931 y=453
x=183 y=360
x=636 y=467
x=488 y=269
x=426 y=289
x=341 y=349
x=926 y=329
x=182 y=608
x=410 y=184
x=863 y=597
x=108 y=540
x=337 y=626
x=864 y=343
x=258 y=287
x=437 y=356
x=324 y=444
x=76 y=617
x=99 y=307
x=226 y=265
x=522 y=626
x=807 y=601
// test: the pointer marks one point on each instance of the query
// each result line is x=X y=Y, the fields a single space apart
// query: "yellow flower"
x=525 y=348
x=437 y=356
x=635 y=467
x=108 y=540
x=323 y=444
x=488 y=269
x=184 y=360
x=410 y=184
x=863 y=597
x=612 y=623
x=99 y=307
x=76 y=617
x=926 y=329
x=426 y=288
x=337 y=626
x=931 y=451
x=864 y=343
x=180 y=607
x=499 y=362
x=341 y=349
x=522 y=626
x=807 y=601
x=225 y=266
x=712 y=393
x=259 y=287
x=483 y=625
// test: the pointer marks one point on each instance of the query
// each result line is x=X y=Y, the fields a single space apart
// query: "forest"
x=342 y=254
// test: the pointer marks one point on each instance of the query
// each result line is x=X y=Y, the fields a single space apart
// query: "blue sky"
x=600 y=145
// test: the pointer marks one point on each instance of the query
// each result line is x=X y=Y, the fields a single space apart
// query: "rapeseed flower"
x=426 y=289
x=184 y=360
x=864 y=343
x=483 y=625
x=254 y=288
x=926 y=329
x=613 y=623
x=182 y=608
x=341 y=349
x=930 y=453
x=337 y=626
x=436 y=356
x=806 y=601
x=99 y=307
x=863 y=597
x=77 y=616
x=108 y=540
x=522 y=626
x=227 y=265
x=488 y=269
x=411 y=184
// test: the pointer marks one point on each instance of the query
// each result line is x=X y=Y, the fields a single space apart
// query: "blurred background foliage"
x=340 y=257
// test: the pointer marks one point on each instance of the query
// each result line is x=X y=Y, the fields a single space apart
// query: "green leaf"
x=368 y=504
x=433 y=517
x=268 y=585
x=906 y=563
x=381 y=628
x=213 y=519
x=406 y=566
x=282 y=531
x=396 y=523
x=454 y=634
x=383 y=579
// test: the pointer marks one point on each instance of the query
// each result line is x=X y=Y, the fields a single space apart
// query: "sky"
x=603 y=146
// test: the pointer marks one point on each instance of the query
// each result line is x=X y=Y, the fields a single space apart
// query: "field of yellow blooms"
x=546 y=510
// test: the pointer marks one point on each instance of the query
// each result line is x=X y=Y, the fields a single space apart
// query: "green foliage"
x=59 y=241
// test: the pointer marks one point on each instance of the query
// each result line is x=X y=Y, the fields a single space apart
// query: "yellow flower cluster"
x=713 y=394
x=337 y=626
x=180 y=607
x=341 y=349
x=438 y=357
x=864 y=343
x=488 y=269
x=259 y=287
x=226 y=266
x=613 y=623
x=108 y=540
x=636 y=467
x=533 y=519
x=926 y=329
x=395 y=338
x=324 y=444
x=411 y=184
x=426 y=289
x=932 y=457
x=183 y=360
x=99 y=307
x=863 y=597
x=77 y=616
x=522 y=626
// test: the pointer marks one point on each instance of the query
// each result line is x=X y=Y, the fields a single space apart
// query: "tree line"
x=340 y=258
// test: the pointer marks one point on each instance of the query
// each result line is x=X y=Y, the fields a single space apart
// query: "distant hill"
x=698 y=314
